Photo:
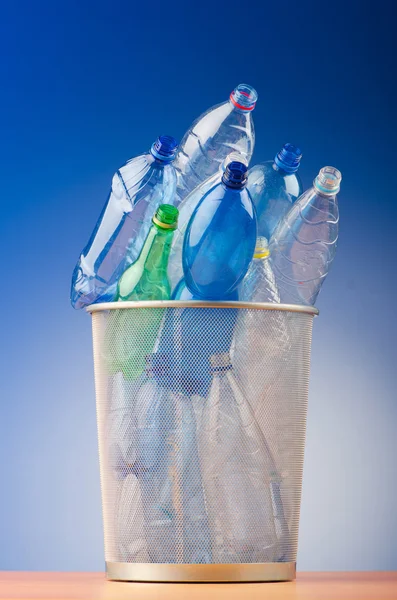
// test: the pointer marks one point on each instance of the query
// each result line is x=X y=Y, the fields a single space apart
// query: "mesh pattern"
x=201 y=424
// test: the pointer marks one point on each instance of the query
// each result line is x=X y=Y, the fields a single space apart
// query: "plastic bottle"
x=182 y=292
x=237 y=470
x=186 y=208
x=191 y=335
x=138 y=188
x=259 y=284
x=220 y=238
x=123 y=446
x=303 y=246
x=168 y=471
x=275 y=185
x=223 y=128
x=259 y=358
x=130 y=337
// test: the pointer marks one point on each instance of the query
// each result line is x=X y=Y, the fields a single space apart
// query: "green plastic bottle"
x=131 y=335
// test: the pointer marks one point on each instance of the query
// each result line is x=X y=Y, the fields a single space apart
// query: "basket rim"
x=294 y=308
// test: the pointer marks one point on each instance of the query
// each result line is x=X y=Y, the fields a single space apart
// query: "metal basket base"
x=246 y=572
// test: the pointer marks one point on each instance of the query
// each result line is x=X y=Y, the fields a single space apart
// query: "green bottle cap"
x=166 y=216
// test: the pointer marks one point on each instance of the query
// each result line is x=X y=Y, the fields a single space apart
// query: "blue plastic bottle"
x=220 y=238
x=186 y=208
x=138 y=188
x=303 y=245
x=222 y=129
x=275 y=185
x=182 y=292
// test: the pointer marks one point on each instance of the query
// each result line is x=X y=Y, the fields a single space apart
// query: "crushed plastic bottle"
x=138 y=188
x=259 y=359
x=225 y=128
x=259 y=284
x=168 y=471
x=303 y=246
x=274 y=186
x=237 y=470
x=123 y=445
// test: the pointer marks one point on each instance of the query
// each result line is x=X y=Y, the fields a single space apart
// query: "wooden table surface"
x=89 y=586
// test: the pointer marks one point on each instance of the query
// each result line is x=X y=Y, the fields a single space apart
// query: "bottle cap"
x=244 y=97
x=288 y=159
x=261 y=248
x=221 y=361
x=234 y=157
x=328 y=181
x=166 y=216
x=236 y=175
x=164 y=148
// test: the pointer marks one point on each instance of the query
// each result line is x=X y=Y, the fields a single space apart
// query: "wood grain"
x=88 y=586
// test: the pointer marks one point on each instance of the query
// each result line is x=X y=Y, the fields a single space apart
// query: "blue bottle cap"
x=164 y=148
x=236 y=175
x=244 y=97
x=328 y=181
x=288 y=159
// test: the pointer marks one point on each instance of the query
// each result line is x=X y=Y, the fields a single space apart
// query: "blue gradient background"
x=87 y=85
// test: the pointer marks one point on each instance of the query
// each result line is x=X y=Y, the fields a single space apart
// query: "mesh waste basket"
x=201 y=411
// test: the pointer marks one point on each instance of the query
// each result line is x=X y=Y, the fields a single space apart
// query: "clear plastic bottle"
x=237 y=471
x=168 y=470
x=138 y=188
x=275 y=185
x=259 y=284
x=222 y=129
x=220 y=238
x=186 y=208
x=127 y=339
x=123 y=446
x=303 y=245
x=258 y=359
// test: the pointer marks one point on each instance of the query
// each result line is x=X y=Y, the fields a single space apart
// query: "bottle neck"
x=288 y=159
x=279 y=169
x=157 y=248
x=243 y=98
x=220 y=363
x=262 y=256
x=232 y=186
x=219 y=371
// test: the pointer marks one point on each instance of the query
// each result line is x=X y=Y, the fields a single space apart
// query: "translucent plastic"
x=259 y=285
x=236 y=469
x=181 y=292
x=166 y=422
x=219 y=241
x=186 y=209
x=303 y=246
x=223 y=129
x=146 y=279
x=128 y=518
x=159 y=422
x=273 y=190
x=138 y=188
x=191 y=350
x=248 y=467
